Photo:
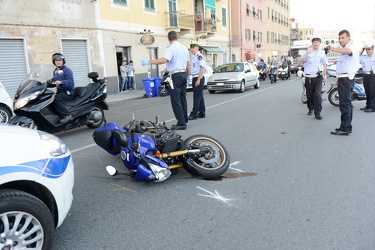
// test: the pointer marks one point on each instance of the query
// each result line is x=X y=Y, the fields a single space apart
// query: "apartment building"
x=96 y=35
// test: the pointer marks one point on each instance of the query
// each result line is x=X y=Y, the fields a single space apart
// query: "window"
x=247 y=9
x=247 y=34
x=123 y=2
x=224 y=17
x=149 y=5
x=260 y=15
x=254 y=37
x=254 y=13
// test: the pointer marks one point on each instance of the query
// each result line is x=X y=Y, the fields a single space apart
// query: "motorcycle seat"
x=82 y=93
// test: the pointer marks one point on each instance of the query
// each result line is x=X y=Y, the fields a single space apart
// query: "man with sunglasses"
x=368 y=66
x=198 y=67
x=347 y=66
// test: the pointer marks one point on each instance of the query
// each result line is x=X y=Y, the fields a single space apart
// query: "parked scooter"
x=164 y=87
x=34 y=109
x=151 y=150
x=273 y=74
x=358 y=92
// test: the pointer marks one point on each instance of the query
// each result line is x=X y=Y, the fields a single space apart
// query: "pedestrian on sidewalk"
x=131 y=76
x=124 y=75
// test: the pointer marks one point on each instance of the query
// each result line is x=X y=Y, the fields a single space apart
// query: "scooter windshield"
x=39 y=75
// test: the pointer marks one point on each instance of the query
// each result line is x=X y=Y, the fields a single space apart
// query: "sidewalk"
x=134 y=94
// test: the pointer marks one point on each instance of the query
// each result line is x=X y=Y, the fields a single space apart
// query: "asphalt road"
x=296 y=186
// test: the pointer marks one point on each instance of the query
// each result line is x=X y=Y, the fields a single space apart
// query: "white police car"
x=36 y=182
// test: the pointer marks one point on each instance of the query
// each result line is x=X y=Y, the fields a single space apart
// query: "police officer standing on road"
x=368 y=66
x=347 y=66
x=198 y=67
x=315 y=69
x=177 y=59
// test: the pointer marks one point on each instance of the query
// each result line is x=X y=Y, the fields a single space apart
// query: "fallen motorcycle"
x=358 y=92
x=150 y=150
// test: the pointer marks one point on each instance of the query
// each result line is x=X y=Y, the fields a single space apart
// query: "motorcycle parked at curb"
x=273 y=74
x=358 y=92
x=151 y=150
x=33 y=103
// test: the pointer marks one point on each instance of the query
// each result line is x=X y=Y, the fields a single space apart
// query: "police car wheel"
x=20 y=210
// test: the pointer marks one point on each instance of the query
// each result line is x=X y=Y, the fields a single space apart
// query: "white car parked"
x=36 y=183
x=6 y=105
x=234 y=76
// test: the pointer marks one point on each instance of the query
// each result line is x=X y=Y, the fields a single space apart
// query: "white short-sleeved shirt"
x=177 y=56
x=197 y=62
x=348 y=64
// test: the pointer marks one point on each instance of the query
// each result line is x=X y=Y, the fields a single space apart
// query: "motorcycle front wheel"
x=212 y=164
x=333 y=97
x=163 y=91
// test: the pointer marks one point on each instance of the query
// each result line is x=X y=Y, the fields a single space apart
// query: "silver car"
x=233 y=76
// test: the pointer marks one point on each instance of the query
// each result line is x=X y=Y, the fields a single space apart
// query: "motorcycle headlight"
x=161 y=174
x=24 y=100
x=52 y=144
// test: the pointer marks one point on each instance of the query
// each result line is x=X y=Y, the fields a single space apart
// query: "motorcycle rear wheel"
x=333 y=97
x=100 y=122
x=210 y=166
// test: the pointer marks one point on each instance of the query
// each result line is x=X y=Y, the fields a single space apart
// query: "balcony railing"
x=205 y=25
x=179 y=20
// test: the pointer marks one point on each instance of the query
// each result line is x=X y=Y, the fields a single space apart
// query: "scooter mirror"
x=59 y=72
x=111 y=170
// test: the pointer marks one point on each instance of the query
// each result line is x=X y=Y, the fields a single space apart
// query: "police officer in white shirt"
x=368 y=66
x=177 y=59
x=198 y=67
x=315 y=69
x=347 y=66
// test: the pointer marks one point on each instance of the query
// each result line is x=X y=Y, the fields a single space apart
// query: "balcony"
x=205 y=28
x=179 y=22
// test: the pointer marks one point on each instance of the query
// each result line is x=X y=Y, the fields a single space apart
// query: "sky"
x=334 y=14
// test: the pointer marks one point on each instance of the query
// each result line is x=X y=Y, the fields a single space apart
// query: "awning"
x=210 y=4
x=213 y=50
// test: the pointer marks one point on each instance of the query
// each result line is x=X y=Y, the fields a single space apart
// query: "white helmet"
x=316 y=38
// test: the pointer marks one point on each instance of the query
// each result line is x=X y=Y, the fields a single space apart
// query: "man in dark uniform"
x=198 y=66
x=177 y=59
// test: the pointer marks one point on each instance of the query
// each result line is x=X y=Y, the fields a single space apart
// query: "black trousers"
x=178 y=98
x=369 y=85
x=314 y=93
x=198 y=99
x=345 y=87
x=60 y=99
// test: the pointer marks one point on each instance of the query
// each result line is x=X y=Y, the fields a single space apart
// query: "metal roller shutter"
x=76 y=57
x=13 y=69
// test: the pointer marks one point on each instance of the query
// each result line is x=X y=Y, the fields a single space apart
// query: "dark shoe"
x=178 y=127
x=338 y=129
x=310 y=112
x=364 y=108
x=318 y=117
x=192 y=118
x=200 y=115
x=339 y=132
x=66 y=119
x=369 y=110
